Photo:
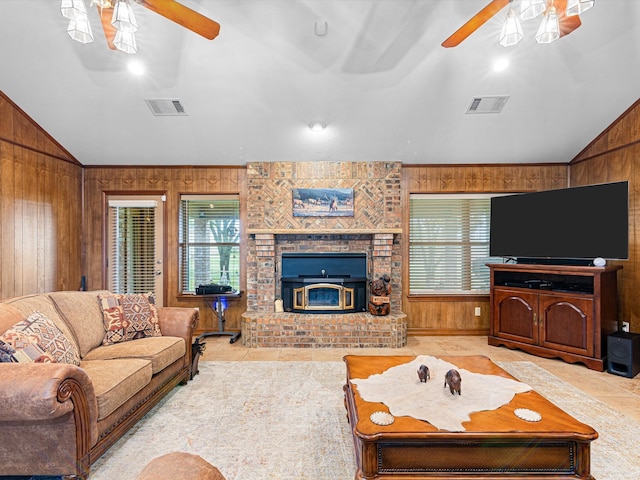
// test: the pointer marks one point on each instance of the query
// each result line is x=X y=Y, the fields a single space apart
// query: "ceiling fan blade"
x=475 y=22
x=567 y=24
x=105 y=15
x=189 y=19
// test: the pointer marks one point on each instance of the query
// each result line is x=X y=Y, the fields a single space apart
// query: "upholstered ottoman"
x=180 y=465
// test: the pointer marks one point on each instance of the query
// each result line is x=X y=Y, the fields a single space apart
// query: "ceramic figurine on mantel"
x=379 y=302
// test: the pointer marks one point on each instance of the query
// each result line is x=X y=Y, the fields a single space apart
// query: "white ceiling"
x=379 y=79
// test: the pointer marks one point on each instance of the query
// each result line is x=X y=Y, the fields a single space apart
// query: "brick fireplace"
x=375 y=230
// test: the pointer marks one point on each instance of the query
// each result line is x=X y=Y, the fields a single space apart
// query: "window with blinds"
x=209 y=241
x=449 y=244
x=132 y=246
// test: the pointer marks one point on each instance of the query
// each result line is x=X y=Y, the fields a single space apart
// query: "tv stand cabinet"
x=555 y=311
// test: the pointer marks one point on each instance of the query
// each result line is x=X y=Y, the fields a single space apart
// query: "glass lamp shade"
x=123 y=17
x=73 y=9
x=80 y=30
x=511 y=30
x=531 y=8
x=549 y=30
x=125 y=41
x=576 y=7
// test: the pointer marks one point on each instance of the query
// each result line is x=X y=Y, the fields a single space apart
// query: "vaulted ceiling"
x=377 y=76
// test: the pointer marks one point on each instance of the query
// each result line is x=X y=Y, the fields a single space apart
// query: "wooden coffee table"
x=495 y=444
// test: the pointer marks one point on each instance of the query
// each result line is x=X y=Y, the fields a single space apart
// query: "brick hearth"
x=326 y=330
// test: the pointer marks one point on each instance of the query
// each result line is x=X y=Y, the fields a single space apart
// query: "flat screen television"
x=565 y=226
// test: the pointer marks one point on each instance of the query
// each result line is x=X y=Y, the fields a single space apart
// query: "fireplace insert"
x=327 y=282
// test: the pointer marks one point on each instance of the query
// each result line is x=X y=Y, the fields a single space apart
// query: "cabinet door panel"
x=515 y=316
x=566 y=324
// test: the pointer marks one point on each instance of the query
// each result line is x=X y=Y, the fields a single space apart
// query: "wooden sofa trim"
x=71 y=389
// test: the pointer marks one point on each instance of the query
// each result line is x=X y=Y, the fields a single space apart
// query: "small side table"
x=215 y=302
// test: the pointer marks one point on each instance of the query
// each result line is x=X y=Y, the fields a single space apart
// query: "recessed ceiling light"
x=317 y=126
x=136 y=67
x=500 y=64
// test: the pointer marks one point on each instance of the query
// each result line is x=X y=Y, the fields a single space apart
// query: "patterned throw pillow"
x=6 y=353
x=128 y=316
x=33 y=353
x=38 y=339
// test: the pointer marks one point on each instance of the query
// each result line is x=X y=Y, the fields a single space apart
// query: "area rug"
x=614 y=454
x=286 y=420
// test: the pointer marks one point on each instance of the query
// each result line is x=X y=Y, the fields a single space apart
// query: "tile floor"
x=620 y=393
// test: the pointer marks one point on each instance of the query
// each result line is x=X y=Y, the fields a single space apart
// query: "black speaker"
x=623 y=354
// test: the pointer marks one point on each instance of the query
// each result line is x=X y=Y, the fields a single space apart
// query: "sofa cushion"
x=42 y=303
x=128 y=316
x=38 y=338
x=82 y=312
x=160 y=351
x=116 y=381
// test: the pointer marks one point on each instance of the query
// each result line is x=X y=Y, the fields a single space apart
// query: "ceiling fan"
x=568 y=23
x=119 y=24
x=170 y=9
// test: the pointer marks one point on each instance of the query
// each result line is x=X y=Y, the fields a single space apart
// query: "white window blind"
x=132 y=244
x=449 y=244
x=209 y=241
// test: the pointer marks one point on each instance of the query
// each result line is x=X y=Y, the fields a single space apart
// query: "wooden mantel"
x=323 y=231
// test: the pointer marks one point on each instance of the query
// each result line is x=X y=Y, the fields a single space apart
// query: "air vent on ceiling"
x=491 y=104
x=166 y=106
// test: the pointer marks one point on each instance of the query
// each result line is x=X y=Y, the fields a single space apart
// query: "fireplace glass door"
x=323 y=296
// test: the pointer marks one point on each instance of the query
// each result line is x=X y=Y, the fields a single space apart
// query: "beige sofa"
x=58 y=418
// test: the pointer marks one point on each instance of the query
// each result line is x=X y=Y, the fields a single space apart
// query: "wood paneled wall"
x=46 y=243
x=614 y=156
x=172 y=182
x=40 y=223
x=435 y=315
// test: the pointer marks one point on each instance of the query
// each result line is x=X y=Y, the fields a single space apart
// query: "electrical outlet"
x=625 y=326
x=478 y=311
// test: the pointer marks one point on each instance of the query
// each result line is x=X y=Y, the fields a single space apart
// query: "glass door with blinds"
x=134 y=245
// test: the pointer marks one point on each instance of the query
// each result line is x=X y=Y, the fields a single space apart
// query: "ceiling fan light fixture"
x=103 y=3
x=73 y=9
x=79 y=29
x=125 y=41
x=123 y=17
x=549 y=30
x=531 y=8
x=578 y=7
x=511 y=30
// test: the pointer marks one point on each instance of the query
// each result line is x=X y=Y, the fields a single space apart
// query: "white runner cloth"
x=400 y=389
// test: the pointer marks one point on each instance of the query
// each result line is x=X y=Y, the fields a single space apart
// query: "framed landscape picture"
x=322 y=202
